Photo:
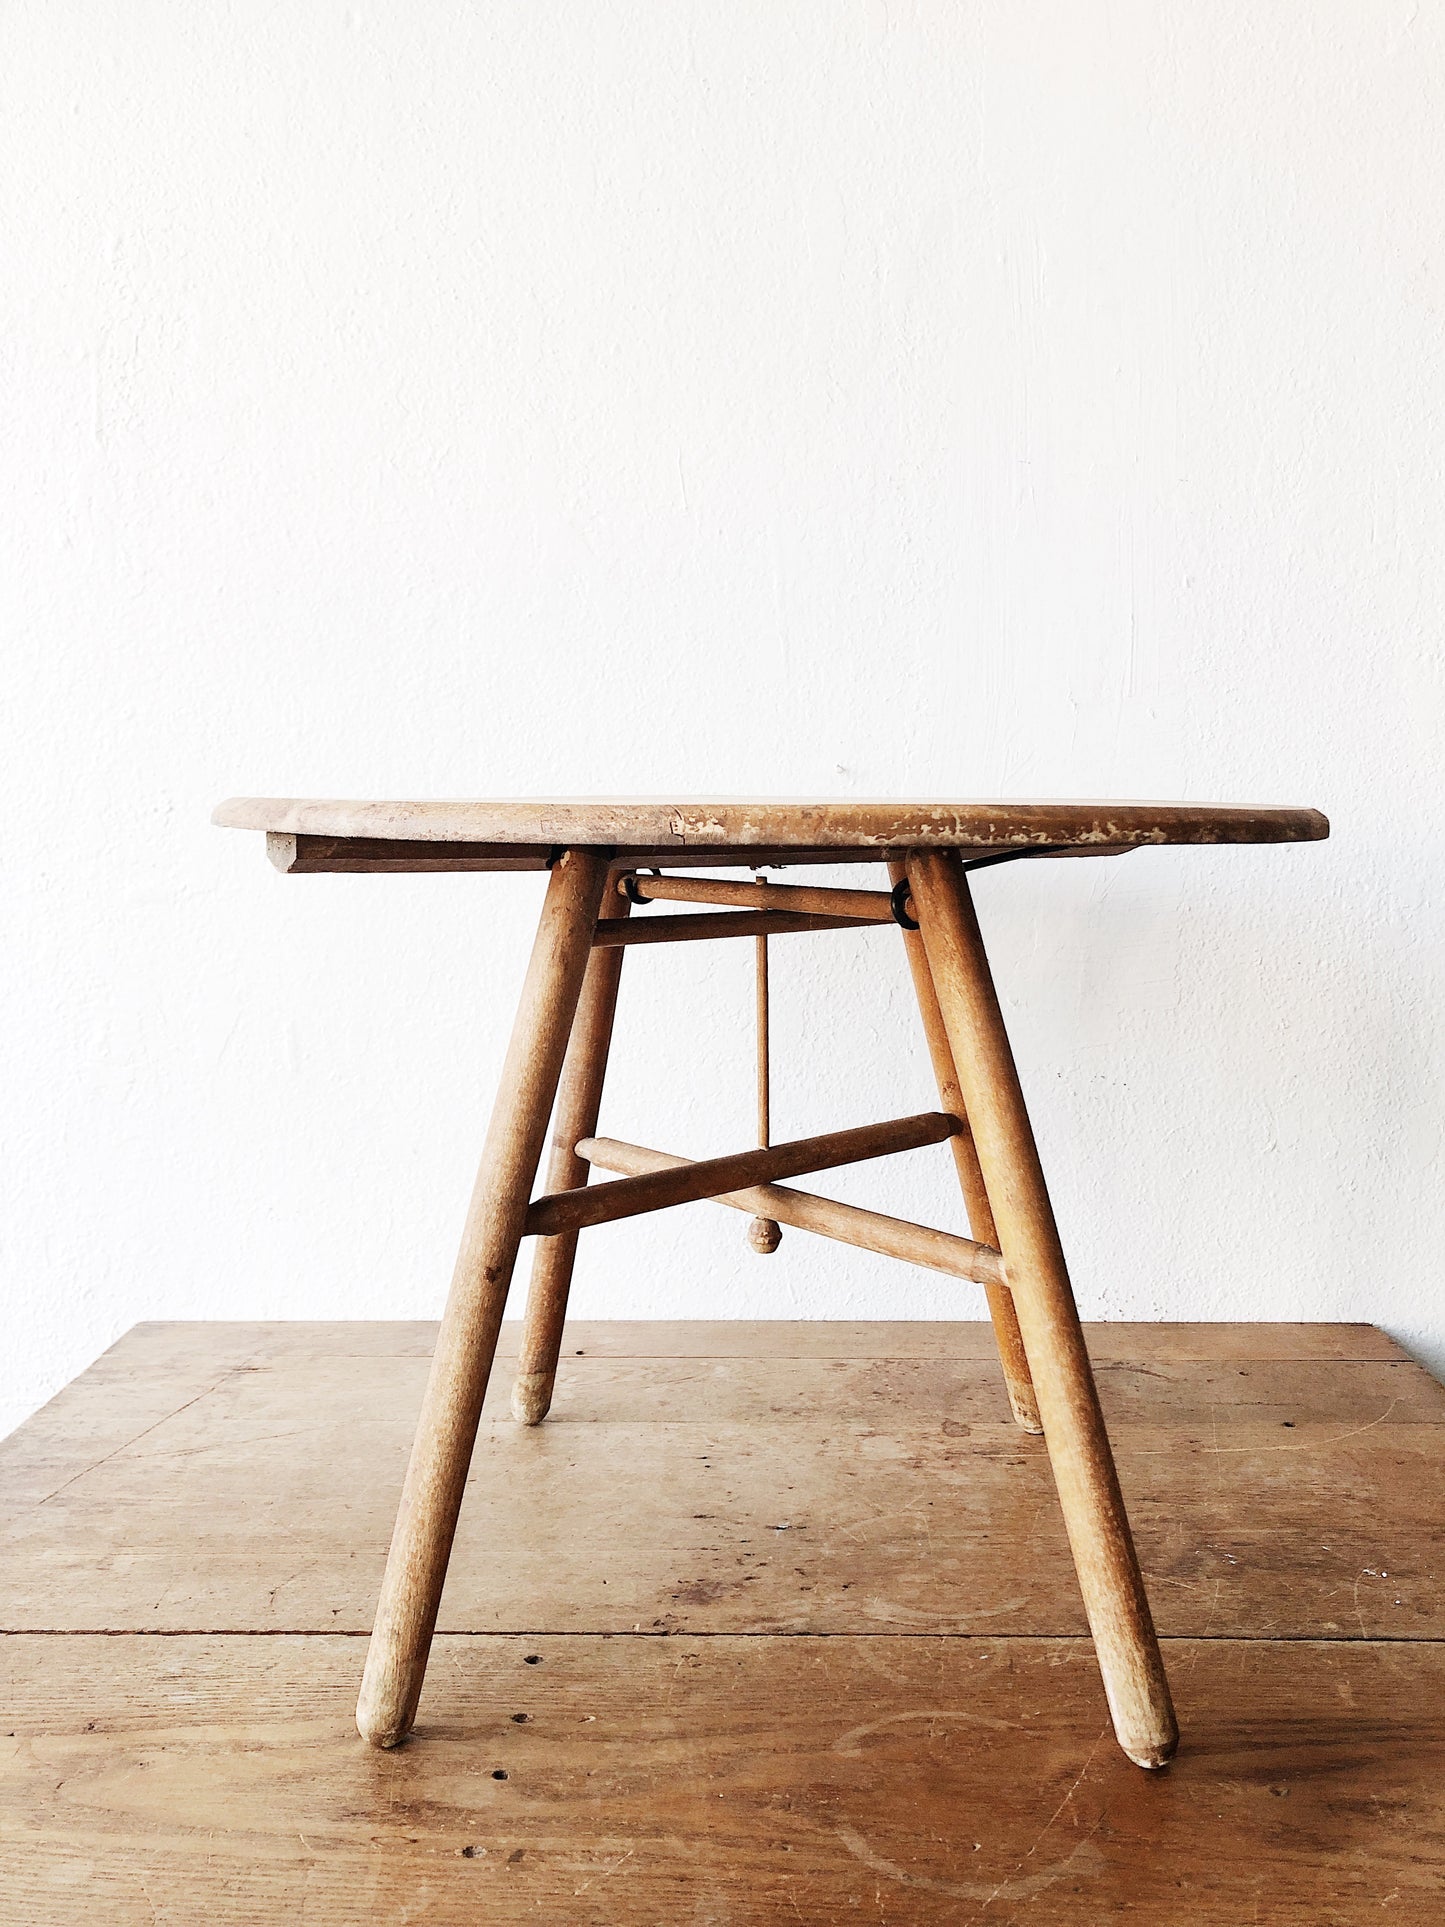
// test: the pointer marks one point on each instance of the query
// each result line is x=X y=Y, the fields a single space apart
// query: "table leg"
x=1006 y=1332
x=578 y=1103
x=451 y=1407
x=1078 y=1444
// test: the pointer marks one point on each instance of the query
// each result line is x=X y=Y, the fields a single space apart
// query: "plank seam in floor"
x=534 y=1632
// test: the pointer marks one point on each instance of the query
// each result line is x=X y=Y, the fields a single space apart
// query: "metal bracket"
x=630 y=890
x=899 y=897
x=1012 y=856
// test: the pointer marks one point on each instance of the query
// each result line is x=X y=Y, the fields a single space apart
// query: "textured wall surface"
x=946 y=399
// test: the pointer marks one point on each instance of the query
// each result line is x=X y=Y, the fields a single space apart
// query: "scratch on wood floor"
x=607 y=1872
x=889 y=1612
x=144 y=1432
x=1084 y=1862
x=1077 y=1783
x=1306 y=1445
x=848 y=1742
x=1215 y=1598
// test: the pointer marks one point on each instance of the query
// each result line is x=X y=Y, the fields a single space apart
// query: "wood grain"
x=1012 y=1358
x=1058 y=1360
x=710 y=927
x=578 y=1099
x=441 y=1453
x=892 y=1756
x=220 y=1344
x=1278 y=1498
x=371 y=855
x=913 y=1782
x=914 y=1244
x=764 y=1234
x=869 y=906
x=649 y=825
x=597 y=1387
x=689 y=1182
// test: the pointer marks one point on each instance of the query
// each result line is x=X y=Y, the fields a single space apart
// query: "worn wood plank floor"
x=768 y=1623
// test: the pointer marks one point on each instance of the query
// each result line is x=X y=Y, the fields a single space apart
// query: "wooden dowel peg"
x=765 y=1123
x=764 y=1235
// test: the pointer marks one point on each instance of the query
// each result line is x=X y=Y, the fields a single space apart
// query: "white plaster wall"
x=945 y=399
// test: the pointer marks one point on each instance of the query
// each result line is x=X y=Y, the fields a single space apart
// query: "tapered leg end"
x=1026 y=1413
x=532 y=1397
x=1154 y=1757
x=378 y=1736
x=379 y=1726
x=1154 y=1739
x=390 y=1689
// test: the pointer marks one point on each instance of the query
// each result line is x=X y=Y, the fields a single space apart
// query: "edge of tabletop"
x=622 y=824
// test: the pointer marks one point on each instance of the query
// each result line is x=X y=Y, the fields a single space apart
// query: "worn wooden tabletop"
x=767 y=1623
x=654 y=828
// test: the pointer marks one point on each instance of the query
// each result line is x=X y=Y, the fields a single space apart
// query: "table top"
x=668 y=830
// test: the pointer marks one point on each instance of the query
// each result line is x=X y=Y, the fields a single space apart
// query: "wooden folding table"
x=604 y=860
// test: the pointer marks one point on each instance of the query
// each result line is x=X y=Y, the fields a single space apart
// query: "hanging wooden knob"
x=763 y=1235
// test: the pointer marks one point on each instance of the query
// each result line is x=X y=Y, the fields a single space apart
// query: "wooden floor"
x=768 y=1623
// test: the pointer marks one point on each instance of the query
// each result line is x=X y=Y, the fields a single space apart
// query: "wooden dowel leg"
x=1007 y=1337
x=451 y=1407
x=1078 y=1445
x=578 y=1103
x=764 y=1234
